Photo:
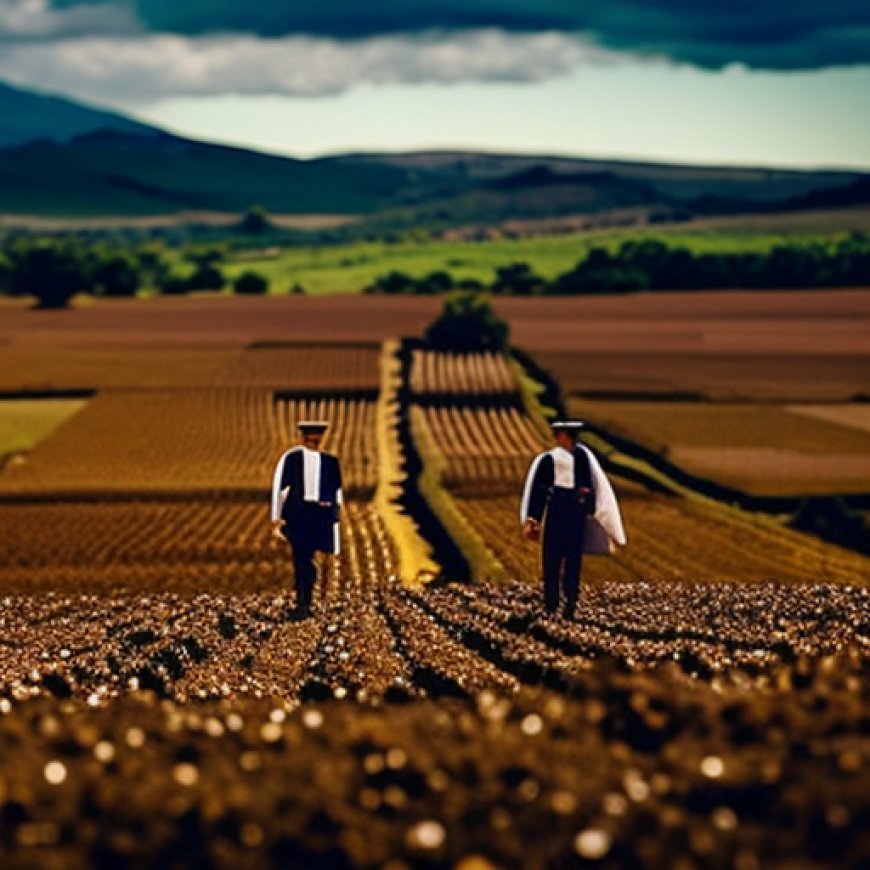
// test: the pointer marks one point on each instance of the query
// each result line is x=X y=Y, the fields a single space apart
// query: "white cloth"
x=607 y=511
x=279 y=495
x=563 y=467
x=527 y=489
x=311 y=474
x=607 y=516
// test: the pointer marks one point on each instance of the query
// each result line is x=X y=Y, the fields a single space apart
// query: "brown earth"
x=147 y=719
x=456 y=729
x=802 y=346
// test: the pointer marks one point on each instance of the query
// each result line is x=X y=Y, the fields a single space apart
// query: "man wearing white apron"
x=306 y=500
x=582 y=514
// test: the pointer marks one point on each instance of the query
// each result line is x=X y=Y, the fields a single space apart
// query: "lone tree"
x=467 y=324
x=52 y=272
x=255 y=221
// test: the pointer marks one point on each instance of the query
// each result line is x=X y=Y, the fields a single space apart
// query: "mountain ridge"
x=85 y=162
x=29 y=116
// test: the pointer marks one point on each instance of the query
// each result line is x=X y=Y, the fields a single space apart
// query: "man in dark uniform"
x=306 y=500
x=567 y=484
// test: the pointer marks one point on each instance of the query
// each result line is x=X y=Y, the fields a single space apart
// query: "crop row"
x=635 y=770
x=305 y=366
x=481 y=449
x=710 y=629
x=675 y=540
x=352 y=435
x=178 y=545
x=217 y=646
x=461 y=374
x=180 y=440
x=44 y=365
x=456 y=640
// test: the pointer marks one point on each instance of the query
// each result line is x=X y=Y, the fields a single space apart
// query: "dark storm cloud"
x=771 y=34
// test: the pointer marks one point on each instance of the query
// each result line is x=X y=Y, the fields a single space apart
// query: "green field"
x=24 y=422
x=348 y=268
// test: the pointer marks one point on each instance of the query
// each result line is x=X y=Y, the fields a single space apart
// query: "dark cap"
x=312 y=427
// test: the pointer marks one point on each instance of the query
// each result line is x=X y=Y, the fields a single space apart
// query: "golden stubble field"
x=158 y=702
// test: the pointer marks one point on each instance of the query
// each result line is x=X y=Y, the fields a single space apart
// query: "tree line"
x=54 y=270
x=652 y=264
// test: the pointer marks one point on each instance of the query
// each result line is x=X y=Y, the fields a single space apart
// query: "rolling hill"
x=60 y=159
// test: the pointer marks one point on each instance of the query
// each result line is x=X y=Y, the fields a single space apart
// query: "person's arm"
x=339 y=495
x=279 y=495
x=536 y=491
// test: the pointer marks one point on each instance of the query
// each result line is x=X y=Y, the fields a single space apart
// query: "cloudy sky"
x=774 y=82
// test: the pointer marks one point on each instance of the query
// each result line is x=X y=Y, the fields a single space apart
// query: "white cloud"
x=124 y=71
x=23 y=20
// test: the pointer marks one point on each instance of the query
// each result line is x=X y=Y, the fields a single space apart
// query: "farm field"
x=674 y=540
x=804 y=347
x=350 y=267
x=159 y=698
x=23 y=423
x=730 y=376
x=766 y=449
x=442 y=730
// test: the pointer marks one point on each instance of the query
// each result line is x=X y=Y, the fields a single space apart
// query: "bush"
x=398 y=282
x=393 y=282
x=433 y=283
x=6 y=272
x=517 y=278
x=251 y=284
x=467 y=324
x=174 y=285
x=600 y=272
x=206 y=277
x=652 y=264
x=117 y=275
x=153 y=268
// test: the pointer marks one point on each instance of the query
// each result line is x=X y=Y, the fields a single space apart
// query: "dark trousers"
x=306 y=573
x=562 y=553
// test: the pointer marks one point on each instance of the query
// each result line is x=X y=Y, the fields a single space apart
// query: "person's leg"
x=574 y=564
x=303 y=563
x=571 y=581
x=551 y=558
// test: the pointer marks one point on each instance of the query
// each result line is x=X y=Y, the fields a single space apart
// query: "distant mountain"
x=60 y=159
x=26 y=116
x=116 y=173
x=679 y=182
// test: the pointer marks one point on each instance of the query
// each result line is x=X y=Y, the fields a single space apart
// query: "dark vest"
x=311 y=523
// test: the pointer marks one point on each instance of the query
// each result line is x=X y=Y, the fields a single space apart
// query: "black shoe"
x=302 y=611
x=568 y=613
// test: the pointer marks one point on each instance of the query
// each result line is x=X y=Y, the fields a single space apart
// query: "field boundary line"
x=413 y=552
